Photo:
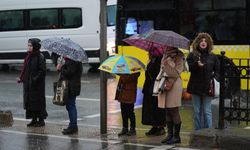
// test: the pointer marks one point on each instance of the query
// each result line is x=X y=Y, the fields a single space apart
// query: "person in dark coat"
x=126 y=95
x=151 y=113
x=72 y=71
x=204 y=66
x=33 y=78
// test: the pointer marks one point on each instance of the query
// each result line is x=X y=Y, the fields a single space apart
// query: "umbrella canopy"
x=65 y=47
x=121 y=64
x=158 y=40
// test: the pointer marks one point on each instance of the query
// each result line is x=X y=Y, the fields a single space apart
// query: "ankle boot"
x=40 y=123
x=176 y=138
x=170 y=126
x=32 y=123
x=124 y=131
x=131 y=132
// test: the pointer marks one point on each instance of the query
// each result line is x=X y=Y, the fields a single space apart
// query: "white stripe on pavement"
x=61 y=137
x=110 y=112
x=81 y=99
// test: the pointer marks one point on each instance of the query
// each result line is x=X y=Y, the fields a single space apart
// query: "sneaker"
x=124 y=131
x=160 y=131
x=151 y=131
x=131 y=132
x=70 y=131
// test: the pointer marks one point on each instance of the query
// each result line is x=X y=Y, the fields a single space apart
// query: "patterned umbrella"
x=122 y=64
x=65 y=47
x=158 y=40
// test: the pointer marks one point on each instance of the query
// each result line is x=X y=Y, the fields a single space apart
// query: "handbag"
x=168 y=84
x=60 y=92
x=214 y=88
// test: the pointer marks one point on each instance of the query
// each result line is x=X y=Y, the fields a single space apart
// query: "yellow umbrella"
x=122 y=64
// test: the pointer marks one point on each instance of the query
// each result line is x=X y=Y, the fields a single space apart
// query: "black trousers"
x=127 y=111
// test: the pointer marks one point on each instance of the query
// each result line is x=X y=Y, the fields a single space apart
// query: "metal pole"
x=222 y=88
x=103 y=75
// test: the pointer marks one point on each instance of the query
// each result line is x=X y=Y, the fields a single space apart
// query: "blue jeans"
x=202 y=109
x=72 y=112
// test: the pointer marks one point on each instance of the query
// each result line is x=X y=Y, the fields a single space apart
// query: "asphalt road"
x=88 y=103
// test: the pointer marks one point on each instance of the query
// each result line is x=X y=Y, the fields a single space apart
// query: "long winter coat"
x=72 y=72
x=151 y=114
x=173 y=67
x=34 y=86
x=127 y=88
x=200 y=76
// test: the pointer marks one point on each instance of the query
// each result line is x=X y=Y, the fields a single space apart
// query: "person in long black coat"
x=151 y=114
x=33 y=79
x=71 y=71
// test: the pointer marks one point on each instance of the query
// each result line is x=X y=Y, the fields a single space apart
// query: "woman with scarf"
x=172 y=65
x=33 y=78
x=203 y=65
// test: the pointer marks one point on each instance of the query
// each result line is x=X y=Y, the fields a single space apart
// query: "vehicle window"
x=72 y=18
x=224 y=26
x=145 y=25
x=229 y=4
x=111 y=15
x=11 y=20
x=188 y=5
x=44 y=19
x=131 y=26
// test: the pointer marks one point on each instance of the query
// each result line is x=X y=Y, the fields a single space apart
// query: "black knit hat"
x=35 y=43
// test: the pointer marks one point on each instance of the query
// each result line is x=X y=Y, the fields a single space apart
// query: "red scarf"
x=25 y=65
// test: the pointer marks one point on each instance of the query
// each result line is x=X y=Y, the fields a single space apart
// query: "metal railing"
x=234 y=99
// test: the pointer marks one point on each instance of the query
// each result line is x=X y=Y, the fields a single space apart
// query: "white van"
x=111 y=21
x=24 y=19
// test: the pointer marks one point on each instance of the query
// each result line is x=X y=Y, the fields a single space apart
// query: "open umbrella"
x=65 y=47
x=122 y=64
x=158 y=40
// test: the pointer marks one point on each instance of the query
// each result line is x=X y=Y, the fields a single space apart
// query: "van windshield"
x=111 y=15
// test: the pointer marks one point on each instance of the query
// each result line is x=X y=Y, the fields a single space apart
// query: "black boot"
x=32 y=123
x=123 y=132
x=170 y=126
x=152 y=131
x=176 y=138
x=40 y=123
x=131 y=132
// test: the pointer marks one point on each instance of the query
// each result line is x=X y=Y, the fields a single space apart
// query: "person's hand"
x=200 y=64
x=19 y=80
x=59 y=67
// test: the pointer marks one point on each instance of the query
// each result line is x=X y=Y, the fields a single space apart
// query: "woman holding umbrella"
x=170 y=98
x=33 y=79
x=71 y=71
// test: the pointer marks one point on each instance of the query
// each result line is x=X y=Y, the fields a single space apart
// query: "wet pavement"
x=19 y=137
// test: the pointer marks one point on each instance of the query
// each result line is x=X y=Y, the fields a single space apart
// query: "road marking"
x=61 y=137
x=115 y=142
x=81 y=99
x=110 y=112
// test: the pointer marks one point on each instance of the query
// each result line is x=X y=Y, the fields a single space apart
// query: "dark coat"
x=34 y=86
x=72 y=71
x=151 y=73
x=127 y=88
x=200 y=76
x=151 y=114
